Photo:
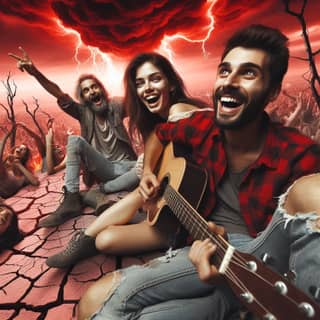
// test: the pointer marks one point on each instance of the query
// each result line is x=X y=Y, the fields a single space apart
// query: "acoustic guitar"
x=262 y=291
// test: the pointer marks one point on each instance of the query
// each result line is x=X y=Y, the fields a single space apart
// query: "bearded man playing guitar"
x=249 y=162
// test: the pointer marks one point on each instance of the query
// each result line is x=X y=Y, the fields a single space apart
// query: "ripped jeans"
x=116 y=175
x=169 y=287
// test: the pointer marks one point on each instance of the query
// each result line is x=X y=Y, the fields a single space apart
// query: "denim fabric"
x=78 y=150
x=291 y=243
x=152 y=291
x=125 y=182
x=166 y=288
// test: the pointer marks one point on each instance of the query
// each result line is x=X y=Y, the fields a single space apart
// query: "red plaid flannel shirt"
x=287 y=155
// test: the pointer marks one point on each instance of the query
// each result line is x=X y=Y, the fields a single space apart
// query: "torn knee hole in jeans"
x=117 y=278
x=163 y=259
x=314 y=225
x=311 y=219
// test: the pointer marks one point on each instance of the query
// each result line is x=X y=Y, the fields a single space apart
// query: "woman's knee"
x=106 y=240
x=303 y=197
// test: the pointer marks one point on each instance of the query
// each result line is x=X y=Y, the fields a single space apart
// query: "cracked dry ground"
x=29 y=289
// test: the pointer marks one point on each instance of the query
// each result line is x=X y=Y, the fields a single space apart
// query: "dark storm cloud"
x=127 y=27
x=119 y=27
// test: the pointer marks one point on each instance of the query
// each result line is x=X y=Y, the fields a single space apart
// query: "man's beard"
x=98 y=110
x=252 y=111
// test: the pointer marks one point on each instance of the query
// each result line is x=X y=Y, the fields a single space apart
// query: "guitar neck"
x=248 y=277
x=193 y=222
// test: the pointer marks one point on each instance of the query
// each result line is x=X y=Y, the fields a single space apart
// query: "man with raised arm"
x=104 y=147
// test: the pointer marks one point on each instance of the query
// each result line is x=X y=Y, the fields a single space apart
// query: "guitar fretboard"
x=195 y=224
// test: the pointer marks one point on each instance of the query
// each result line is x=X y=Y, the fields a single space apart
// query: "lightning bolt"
x=101 y=62
x=167 y=40
x=79 y=43
x=105 y=66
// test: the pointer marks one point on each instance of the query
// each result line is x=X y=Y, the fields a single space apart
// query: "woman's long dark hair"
x=140 y=118
x=12 y=235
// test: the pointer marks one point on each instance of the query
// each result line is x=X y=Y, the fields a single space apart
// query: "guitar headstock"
x=266 y=293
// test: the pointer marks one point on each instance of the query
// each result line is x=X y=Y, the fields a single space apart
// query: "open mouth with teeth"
x=96 y=99
x=230 y=102
x=152 y=99
x=230 y=105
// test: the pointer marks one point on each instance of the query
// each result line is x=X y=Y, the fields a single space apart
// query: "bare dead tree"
x=50 y=118
x=11 y=89
x=3 y=143
x=33 y=115
x=314 y=78
x=40 y=138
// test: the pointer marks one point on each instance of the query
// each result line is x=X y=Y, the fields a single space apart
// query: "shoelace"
x=73 y=244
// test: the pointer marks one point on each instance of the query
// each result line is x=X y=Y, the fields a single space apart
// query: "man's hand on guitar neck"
x=201 y=253
x=149 y=186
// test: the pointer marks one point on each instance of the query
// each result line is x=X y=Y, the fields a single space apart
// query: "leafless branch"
x=314 y=80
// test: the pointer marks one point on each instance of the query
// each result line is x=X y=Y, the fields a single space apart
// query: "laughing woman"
x=154 y=93
x=14 y=173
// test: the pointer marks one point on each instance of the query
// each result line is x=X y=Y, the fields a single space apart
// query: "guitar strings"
x=179 y=205
x=236 y=280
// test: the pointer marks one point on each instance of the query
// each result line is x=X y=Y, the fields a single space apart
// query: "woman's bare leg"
x=127 y=239
x=118 y=214
x=131 y=239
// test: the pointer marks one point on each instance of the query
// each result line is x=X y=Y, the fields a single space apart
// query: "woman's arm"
x=149 y=183
x=29 y=177
x=51 y=168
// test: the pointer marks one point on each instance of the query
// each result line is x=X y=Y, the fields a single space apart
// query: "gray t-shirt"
x=105 y=141
x=227 y=211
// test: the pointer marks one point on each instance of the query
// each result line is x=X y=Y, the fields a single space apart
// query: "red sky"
x=111 y=33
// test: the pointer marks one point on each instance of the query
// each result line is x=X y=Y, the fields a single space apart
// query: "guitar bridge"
x=226 y=259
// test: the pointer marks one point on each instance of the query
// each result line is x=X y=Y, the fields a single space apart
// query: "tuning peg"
x=247 y=297
x=307 y=309
x=315 y=291
x=281 y=287
x=252 y=265
x=267 y=259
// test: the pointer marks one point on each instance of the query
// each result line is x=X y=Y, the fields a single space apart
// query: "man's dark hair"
x=268 y=39
x=83 y=77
